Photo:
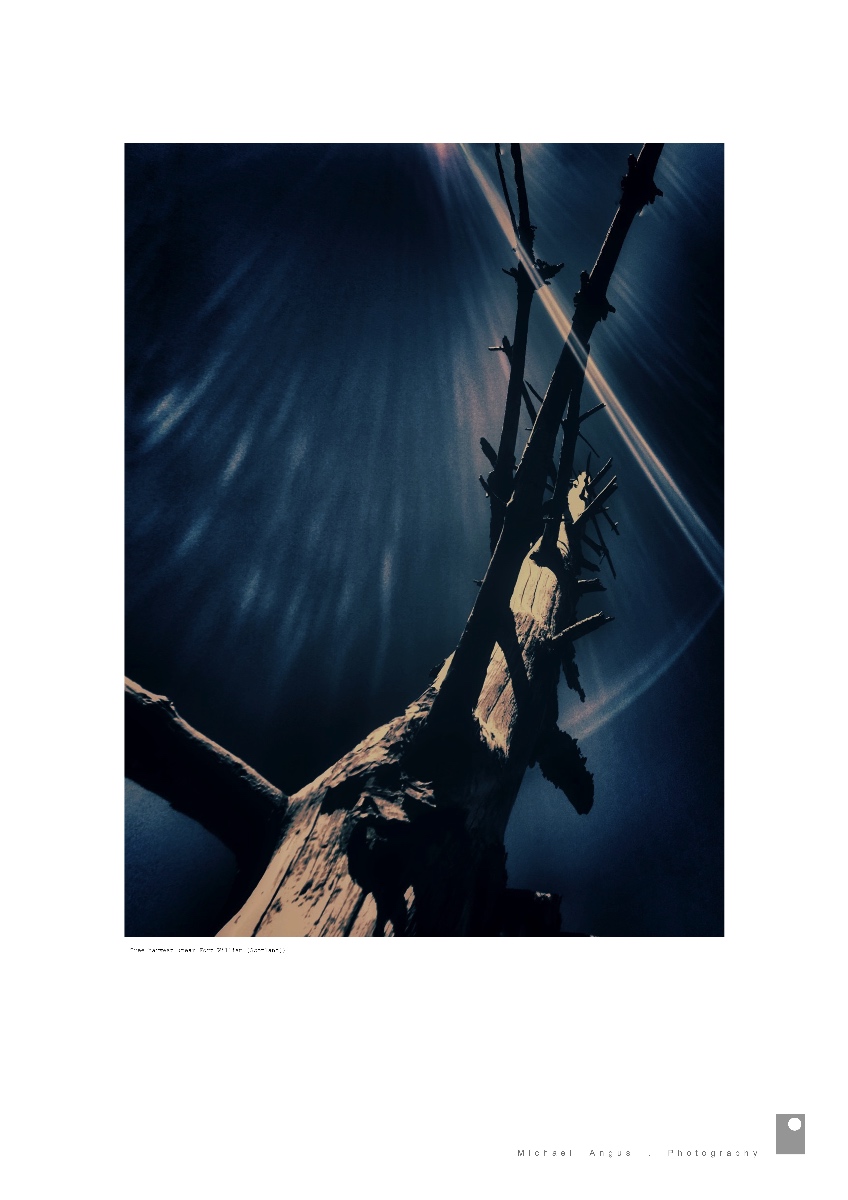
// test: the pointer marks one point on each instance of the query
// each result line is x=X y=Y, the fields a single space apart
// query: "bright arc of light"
x=704 y=544
x=589 y=718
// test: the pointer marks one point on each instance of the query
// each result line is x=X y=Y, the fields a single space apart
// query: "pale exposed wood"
x=361 y=840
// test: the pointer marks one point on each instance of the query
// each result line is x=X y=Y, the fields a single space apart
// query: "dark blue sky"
x=307 y=383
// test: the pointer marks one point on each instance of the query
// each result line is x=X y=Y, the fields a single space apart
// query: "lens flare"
x=609 y=702
x=693 y=528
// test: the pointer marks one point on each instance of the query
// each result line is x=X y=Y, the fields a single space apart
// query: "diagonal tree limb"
x=505 y=188
x=500 y=479
x=201 y=779
x=525 y=229
x=461 y=686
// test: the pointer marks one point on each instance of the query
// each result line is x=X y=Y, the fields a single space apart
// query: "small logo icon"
x=790 y=1133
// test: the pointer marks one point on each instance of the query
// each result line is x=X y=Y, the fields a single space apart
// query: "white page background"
x=403 y=1068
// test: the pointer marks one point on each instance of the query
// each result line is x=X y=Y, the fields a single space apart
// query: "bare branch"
x=503 y=185
x=591 y=412
x=201 y=779
x=595 y=505
x=595 y=480
x=528 y=403
x=525 y=229
x=489 y=450
x=580 y=628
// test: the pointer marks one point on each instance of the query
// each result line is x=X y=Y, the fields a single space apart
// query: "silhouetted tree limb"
x=563 y=765
x=591 y=411
x=500 y=478
x=525 y=229
x=201 y=779
x=598 y=502
x=505 y=188
x=523 y=513
x=529 y=272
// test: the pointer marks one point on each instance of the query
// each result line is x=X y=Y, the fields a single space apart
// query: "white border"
x=420 y=1066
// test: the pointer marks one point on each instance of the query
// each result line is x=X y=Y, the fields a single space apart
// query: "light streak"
x=705 y=545
x=588 y=718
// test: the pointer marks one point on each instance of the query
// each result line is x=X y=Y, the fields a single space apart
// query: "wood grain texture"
x=404 y=835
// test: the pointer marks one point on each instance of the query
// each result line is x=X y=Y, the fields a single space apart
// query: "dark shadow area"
x=177 y=875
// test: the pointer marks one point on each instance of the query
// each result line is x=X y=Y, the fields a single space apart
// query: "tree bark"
x=404 y=835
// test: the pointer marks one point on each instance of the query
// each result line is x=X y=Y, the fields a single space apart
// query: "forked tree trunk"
x=404 y=836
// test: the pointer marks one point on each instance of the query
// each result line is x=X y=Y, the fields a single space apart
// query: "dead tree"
x=404 y=836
